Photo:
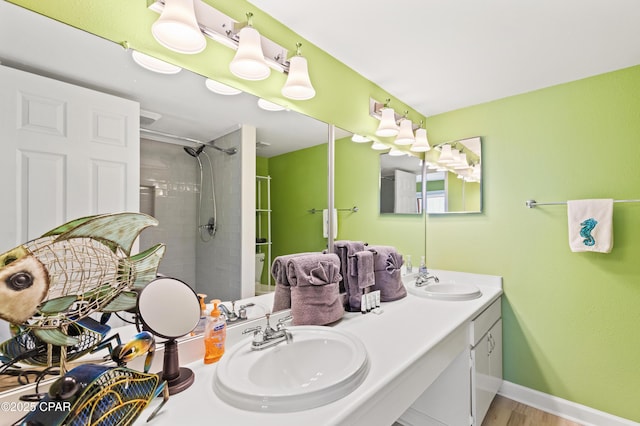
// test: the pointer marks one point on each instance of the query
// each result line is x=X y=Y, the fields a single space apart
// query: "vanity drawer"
x=483 y=322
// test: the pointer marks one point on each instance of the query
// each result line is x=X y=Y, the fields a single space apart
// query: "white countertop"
x=409 y=345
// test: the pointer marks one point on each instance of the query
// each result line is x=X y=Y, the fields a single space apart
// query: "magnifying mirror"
x=170 y=308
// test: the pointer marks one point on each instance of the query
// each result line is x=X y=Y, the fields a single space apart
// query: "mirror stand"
x=178 y=378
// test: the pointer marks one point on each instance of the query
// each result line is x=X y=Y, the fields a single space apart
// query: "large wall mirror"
x=401 y=178
x=454 y=177
x=181 y=115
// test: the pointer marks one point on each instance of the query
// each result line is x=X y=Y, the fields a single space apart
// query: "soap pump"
x=214 y=335
x=202 y=322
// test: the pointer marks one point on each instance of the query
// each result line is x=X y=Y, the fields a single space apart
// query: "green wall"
x=570 y=319
x=298 y=184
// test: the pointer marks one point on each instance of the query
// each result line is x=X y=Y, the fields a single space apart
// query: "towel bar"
x=533 y=203
x=353 y=209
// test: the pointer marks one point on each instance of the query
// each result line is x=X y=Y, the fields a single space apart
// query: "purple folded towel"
x=364 y=269
x=282 y=295
x=315 y=299
x=361 y=276
x=316 y=305
x=313 y=269
x=347 y=250
x=386 y=266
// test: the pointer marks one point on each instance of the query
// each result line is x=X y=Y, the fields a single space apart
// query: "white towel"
x=325 y=223
x=590 y=225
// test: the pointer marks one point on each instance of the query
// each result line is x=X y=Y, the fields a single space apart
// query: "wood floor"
x=506 y=412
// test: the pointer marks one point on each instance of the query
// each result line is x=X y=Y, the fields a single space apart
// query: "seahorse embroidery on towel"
x=585 y=232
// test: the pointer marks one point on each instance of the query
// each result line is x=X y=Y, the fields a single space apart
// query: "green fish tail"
x=145 y=265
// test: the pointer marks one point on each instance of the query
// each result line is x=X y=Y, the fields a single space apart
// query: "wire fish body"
x=79 y=268
x=92 y=394
x=25 y=347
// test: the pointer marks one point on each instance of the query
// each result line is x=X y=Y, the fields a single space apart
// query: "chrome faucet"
x=268 y=337
x=423 y=279
x=231 y=314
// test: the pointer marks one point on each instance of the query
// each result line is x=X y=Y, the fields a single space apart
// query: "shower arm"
x=228 y=151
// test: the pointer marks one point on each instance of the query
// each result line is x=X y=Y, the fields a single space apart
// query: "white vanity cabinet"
x=486 y=360
x=462 y=393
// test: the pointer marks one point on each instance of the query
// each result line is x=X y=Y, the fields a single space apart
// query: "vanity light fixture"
x=395 y=152
x=177 y=28
x=359 y=138
x=249 y=63
x=379 y=146
x=298 y=86
x=405 y=136
x=387 y=126
x=446 y=155
x=461 y=164
x=269 y=106
x=221 y=88
x=422 y=143
x=154 y=64
x=255 y=54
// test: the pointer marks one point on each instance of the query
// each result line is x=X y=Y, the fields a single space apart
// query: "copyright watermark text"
x=25 y=406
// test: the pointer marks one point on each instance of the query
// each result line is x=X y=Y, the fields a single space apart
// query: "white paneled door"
x=65 y=152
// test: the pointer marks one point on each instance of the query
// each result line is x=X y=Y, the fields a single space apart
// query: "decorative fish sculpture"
x=92 y=394
x=72 y=271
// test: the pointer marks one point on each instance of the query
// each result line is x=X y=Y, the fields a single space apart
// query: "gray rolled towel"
x=315 y=298
x=387 y=263
x=347 y=250
x=282 y=295
x=313 y=269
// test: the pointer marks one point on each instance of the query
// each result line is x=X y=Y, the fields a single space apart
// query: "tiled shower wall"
x=169 y=191
x=169 y=180
x=218 y=261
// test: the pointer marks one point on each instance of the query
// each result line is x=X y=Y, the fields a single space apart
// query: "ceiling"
x=47 y=47
x=439 y=55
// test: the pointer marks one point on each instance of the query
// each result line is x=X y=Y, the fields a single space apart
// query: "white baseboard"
x=578 y=413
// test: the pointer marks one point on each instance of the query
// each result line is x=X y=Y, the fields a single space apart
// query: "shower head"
x=194 y=152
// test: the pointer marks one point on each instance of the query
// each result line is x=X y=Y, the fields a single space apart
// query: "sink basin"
x=319 y=366
x=446 y=291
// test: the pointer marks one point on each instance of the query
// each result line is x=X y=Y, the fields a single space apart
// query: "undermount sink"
x=318 y=366
x=446 y=291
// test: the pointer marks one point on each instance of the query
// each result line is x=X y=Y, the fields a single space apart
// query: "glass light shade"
x=177 y=28
x=379 y=146
x=422 y=143
x=249 y=63
x=388 y=126
x=298 y=86
x=462 y=162
x=446 y=156
x=456 y=157
x=405 y=136
x=359 y=138
x=395 y=152
x=269 y=106
x=154 y=64
x=220 y=88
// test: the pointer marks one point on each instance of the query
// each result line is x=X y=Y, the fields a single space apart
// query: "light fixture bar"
x=375 y=111
x=224 y=30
